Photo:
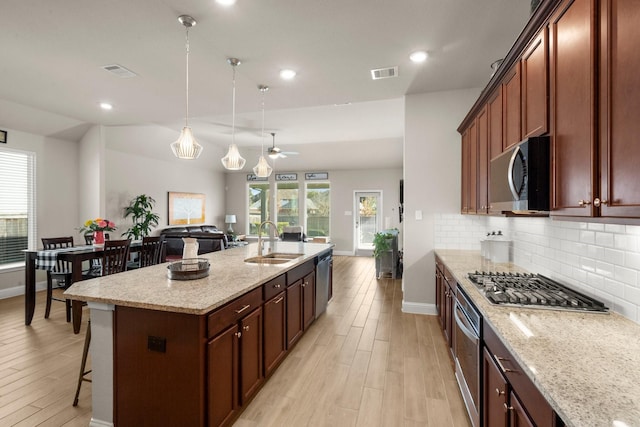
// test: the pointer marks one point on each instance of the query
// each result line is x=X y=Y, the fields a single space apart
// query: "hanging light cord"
x=233 y=112
x=186 y=117
x=262 y=133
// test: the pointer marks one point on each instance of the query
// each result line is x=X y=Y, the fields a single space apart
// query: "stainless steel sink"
x=273 y=258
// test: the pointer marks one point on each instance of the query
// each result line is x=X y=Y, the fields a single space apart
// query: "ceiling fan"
x=275 y=152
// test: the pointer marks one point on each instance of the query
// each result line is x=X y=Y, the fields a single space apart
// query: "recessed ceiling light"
x=226 y=2
x=419 y=56
x=287 y=74
x=106 y=106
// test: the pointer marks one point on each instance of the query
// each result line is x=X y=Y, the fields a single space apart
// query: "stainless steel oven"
x=467 y=350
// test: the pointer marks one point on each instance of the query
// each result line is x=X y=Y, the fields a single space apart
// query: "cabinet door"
x=535 y=89
x=619 y=106
x=448 y=316
x=222 y=361
x=294 y=312
x=275 y=331
x=251 y=374
x=439 y=296
x=494 y=112
x=473 y=168
x=511 y=112
x=518 y=416
x=572 y=75
x=308 y=299
x=465 y=179
x=495 y=391
x=483 y=161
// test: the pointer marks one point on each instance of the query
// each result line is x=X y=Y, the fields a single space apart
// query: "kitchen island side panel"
x=159 y=370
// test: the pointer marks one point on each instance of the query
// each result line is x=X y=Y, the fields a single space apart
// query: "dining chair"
x=152 y=252
x=114 y=260
x=95 y=265
x=61 y=273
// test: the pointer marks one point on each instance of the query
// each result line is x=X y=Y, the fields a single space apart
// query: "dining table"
x=41 y=259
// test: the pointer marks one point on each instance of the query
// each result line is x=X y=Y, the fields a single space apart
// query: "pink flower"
x=102 y=223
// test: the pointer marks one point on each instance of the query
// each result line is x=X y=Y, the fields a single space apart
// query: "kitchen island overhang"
x=149 y=291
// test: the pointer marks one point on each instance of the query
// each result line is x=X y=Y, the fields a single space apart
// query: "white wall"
x=57 y=194
x=91 y=174
x=602 y=260
x=431 y=184
x=343 y=185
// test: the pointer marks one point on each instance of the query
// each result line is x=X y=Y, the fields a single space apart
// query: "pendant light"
x=186 y=147
x=262 y=169
x=233 y=160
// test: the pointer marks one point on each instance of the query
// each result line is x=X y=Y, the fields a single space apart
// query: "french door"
x=367 y=220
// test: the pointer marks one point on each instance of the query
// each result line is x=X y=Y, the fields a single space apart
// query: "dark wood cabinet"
x=494 y=112
x=535 y=87
x=483 y=161
x=572 y=76
x=294 y=313
x=222 y=365
x=275 y=331
x=517 y=415
x=496 y=392
x=308 y=300
x=619 y=194
x=251 y=372
x=511 y=112
x=465 y=197
x=445 y=295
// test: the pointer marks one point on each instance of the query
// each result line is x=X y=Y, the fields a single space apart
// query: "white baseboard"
x=99 y=423
x=19 y=290
x=419 y=308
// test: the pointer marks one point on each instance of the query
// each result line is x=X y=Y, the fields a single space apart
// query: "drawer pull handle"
x=583 y=203
x=238 y=334
x=277 y=285
x=243 y=309
x=499 y=393
x=507 y=408
x=246 y=328
x=499 y=361
x=279 y=300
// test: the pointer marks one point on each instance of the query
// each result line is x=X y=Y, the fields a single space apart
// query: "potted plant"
x=383 y=251
x=140 y=210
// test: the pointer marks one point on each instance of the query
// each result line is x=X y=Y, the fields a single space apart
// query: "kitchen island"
x=168 y=352
x=586 y=365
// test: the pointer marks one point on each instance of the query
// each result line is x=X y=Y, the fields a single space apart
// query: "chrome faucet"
x=260 y=234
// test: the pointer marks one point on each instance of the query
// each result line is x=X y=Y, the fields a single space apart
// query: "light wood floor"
x=363 y=363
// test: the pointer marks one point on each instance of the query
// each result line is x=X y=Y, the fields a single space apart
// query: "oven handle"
x=463 y=327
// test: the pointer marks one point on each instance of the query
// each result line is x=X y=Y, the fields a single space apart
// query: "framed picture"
x=3 y=136
x=186 y=208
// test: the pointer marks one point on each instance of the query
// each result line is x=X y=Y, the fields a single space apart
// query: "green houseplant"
x=384 y=253
x=140 y=210
x=382 y=242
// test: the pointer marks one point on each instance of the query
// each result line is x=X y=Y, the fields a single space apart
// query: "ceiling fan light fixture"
x=233 y=160
x=186 y=147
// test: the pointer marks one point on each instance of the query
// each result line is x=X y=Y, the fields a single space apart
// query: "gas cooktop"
x=533 y=291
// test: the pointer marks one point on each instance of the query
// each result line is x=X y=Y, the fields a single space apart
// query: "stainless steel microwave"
x=519 y=178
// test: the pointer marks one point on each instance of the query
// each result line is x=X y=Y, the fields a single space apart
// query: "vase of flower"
x=97 y=226
x=98 y=239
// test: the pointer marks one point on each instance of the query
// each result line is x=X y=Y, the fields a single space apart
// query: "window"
x=287 y=202
x=17 y=205
x=258 y=206
x=318 y=206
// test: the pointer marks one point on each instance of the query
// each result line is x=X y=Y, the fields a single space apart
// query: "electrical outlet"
x=158 y=344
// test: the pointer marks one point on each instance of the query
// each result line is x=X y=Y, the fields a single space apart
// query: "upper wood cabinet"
x=494 y=113
x=619 y=194
x=482 y=123
x=535 y=87
x=465 y=183
x=572 y=70
x=512 y=98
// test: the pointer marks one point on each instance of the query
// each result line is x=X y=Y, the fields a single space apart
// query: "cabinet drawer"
x=299 y=272
x=233 y=311
x=274 y=287
x=536 y=405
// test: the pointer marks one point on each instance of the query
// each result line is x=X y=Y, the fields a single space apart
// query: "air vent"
x=119 y=71
x=384 y=73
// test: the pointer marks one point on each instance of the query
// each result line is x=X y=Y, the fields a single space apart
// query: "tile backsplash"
x=602 y=260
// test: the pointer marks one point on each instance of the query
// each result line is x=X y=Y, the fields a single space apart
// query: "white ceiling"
x=53 y=51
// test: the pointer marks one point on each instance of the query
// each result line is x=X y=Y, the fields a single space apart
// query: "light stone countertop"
x=229 y=277
x=586 y=365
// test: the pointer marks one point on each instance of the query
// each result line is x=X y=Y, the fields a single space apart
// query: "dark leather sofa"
x=210 y=239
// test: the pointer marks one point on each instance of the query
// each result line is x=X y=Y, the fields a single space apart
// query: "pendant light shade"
x=186 y=147
x=233 y=160
x=262 y=169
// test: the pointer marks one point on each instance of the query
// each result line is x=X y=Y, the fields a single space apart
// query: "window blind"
x=17 y=204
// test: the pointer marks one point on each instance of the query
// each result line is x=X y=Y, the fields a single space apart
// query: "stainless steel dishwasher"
x=323 y=279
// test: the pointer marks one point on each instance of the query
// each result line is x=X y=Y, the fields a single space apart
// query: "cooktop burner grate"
x=532 y=290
